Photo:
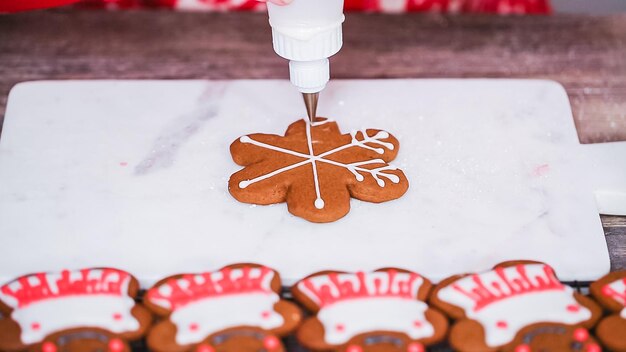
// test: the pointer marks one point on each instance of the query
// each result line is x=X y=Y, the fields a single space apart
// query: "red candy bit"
x=117 y=316
x=354 y=348
x=265 y=314
x=271 y=343
x=415 y=347
x=581 y=335
x=194 y=327
x=340 y=327
x=573 y=308
x=502 y=324
x=116 y=345
x=522 y=348
x=204 y=348
x=35 y=326
x=592 y=347
x=417 y=324
x=49 y=347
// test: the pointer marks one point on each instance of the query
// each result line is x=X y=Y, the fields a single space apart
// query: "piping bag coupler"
x=307 y=33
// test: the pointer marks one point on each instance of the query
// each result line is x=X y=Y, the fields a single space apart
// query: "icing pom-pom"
x=522 y=348
x=594 y=348
x=204 y=348
x=415 y=347
x=581 y=335
x=354 y=348
x=49 y=347
x=116 y=345
x=271 y=343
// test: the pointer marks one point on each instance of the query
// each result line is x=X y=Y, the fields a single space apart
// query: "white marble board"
x=133 y=174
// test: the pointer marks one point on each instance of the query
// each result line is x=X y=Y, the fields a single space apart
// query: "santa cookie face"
x=72 y=311
x=381 y=310
x=236 y=308
x=610 y=291
x=493 y=308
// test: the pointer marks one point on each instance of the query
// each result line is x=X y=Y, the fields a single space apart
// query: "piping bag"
x=307 y=33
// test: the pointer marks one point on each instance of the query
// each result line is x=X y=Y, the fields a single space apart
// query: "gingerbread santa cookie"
x=316 y=169
x=72 y=311
x=517 y=306
x=383 y=310
x=236 y=308
x=610 y=291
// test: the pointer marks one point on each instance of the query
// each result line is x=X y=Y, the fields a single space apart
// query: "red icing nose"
x=204 y=348
x=116 y=345
x=49 y=347
x=271 y=343
x=415 y=347
x=354 y=348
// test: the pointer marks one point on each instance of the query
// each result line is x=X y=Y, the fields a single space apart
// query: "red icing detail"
x=116 y=345
x=35 y=326
x=522 y=348
x=271 y=343
x=592 y=347
x=337 y=290
x=541 y=170
x=573 y=308
x=212 y=285
x=415 y=347
x=123 y=163
x=340 y=327
x=417 y=323
x=620 y=297
x=354 y=348
x=48 y=347
x=204 y=348
x=265 y=314
x=37 y=287
x=581 y=335
x=502 y=324
x=193 y=326
x=117 y=316
x=483 y=296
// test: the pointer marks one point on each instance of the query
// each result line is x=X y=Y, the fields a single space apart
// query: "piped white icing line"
x=505 y=300
x=353 y=304
x=616 y=291
x=355 y=168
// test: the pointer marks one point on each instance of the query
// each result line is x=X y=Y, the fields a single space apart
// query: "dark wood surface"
x=586 y=54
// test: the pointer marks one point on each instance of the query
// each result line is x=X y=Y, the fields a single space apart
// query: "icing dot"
x=354 y=348
x=245 y=139
x=319 y=203
x=502 y=324
x=581 y=335
x=265 y=314
x=340 y=327
x=271 y=343
x=359 y=177
x=117 y=316
x=573 y=308
x=35 y=326
x=244 y=184
x=193 y=327
x=116 y=345
x=49 y=347
x=415 y=347
x=522 y=348
x=204 y=348
x=593 y=348
x=417 y=324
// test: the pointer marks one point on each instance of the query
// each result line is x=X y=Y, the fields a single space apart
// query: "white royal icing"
x=311 y=158
x=509 y=312
x=198 y=320
x=616 y=290
x=353 y=304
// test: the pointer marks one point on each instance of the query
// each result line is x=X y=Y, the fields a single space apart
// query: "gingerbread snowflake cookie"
x=517 y=306
x=610 y=291
x=72 y=311
x=316 y=169
x=383 y=310
x=236 y=308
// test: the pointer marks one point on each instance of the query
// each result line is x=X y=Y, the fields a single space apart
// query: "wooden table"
x=586 y=54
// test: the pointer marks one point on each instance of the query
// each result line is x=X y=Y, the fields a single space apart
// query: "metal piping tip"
x=310 y=101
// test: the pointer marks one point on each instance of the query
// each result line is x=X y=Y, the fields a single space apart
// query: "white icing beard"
x=347 y=319
x=196 y=321
x=40 y=319
x=503 y=319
